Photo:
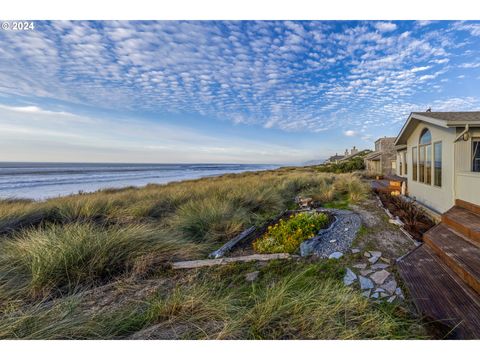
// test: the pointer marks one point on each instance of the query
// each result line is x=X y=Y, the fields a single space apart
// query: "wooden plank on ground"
x=214 y=262
x=230 y=244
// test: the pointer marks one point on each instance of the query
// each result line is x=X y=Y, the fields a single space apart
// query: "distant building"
x=383 y=160
x=334 y=159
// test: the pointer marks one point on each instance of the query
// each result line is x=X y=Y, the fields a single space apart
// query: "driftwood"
x=231 y=243
x=213 y=262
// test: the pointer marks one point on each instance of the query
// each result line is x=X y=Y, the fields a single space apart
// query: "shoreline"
x=56 y=191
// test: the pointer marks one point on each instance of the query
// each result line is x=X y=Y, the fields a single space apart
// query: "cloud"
x=350 y=133
x=385 y=26
x=471 y=65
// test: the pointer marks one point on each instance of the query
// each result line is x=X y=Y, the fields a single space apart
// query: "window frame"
x=434 y=163
x=472 y=161
x=415 y=163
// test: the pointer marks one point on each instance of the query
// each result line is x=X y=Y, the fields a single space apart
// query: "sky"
x=225 y=92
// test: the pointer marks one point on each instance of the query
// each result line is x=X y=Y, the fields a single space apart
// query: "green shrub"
x=286 y=236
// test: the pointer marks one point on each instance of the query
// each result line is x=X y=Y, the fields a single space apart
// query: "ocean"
x=40 y=181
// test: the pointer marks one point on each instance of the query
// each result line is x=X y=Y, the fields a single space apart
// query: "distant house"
x=383 y=160
x=439 y=154
x=334 y=159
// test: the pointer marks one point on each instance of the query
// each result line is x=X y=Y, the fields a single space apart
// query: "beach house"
x=439 y=154
x=382 y=161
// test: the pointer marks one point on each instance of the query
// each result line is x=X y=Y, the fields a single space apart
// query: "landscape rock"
x=335 y=255
x=355 y=251
x=376 y=253
x=252 y=276
x=380 y=276
x=373 y=259
x=391 y=299
x=366 y=254
x=349 y=277
x=390 y=286
x=384 y=259
x=365 y=283
x=367 y=293
x=365 y=272
x=380 y=290
x=383 y=295
x=399 y=292
x=375 y=295
x=333 y=240
x=360 y=266
x=379 y=266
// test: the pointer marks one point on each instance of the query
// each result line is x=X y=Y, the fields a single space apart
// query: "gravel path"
x=337 y=238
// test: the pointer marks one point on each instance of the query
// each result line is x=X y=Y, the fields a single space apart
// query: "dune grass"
x=52 y=250
x=290 y=300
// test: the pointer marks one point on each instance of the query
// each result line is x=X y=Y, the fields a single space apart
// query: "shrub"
x=286 y=236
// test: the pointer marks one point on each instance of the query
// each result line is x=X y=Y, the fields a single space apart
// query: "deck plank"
x=439 y=294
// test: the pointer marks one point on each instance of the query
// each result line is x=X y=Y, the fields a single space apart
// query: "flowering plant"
x=287 y=235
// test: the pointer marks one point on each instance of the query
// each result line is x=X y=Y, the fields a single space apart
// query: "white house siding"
x=467 y=184
x=437 y=198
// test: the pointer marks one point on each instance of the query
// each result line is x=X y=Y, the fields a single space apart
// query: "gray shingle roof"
x=455 y=116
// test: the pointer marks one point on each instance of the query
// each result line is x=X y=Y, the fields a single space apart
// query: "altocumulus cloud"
x=300 y=76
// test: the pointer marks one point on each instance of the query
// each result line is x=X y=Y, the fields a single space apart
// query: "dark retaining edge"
x=231 y=243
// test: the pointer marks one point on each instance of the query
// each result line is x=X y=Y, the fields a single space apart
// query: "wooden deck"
x=440 y=295
x=443 y=275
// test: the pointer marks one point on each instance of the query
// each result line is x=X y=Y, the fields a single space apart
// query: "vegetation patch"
x=287 y=235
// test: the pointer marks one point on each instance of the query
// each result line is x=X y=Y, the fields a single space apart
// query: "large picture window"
x=437 y=156
x=425 y=157
x=414 y=163
x=476 y=155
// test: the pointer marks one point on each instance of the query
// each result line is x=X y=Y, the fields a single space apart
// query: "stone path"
x=337 y=239
x=374 y=278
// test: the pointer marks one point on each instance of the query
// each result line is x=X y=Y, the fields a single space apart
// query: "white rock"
x=365 y=283
x=365 y=272
x=384 y=259
x=373 y=259
x=335 y=255
x=252 y=276
x=379 y=266
x=355 y=251
x=366 y=254
x=390 y=286
x=375 y=295
x=380 y=290
x=346 y=229
x=366 y=293
x=349 y=277
x=360 y=266
x=376 y=253
x=383 y=295
x=399 y=292
x=333 y=240
x=380 y=276
x=391 y=299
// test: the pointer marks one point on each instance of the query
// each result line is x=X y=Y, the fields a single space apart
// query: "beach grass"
x=52 y=252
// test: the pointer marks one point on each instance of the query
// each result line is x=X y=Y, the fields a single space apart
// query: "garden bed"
x=246 y=245
x=415 y=220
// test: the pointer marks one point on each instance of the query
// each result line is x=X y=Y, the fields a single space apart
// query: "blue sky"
x=249 y=92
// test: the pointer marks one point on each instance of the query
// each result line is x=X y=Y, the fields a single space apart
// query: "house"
x=439 y=155
x=383 y=160
x=334 y=159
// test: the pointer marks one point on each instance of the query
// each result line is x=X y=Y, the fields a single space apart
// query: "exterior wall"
x=467 y=183
x=388 y=155
x=437 y=198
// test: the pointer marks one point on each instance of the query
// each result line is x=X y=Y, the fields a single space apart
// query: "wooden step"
x=440 y=295
x=463 y=221
x=469 y=206
x=457 y=252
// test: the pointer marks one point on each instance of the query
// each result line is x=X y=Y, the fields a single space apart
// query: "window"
x=421 y=163
x=425 y=157
x=476 y=155
x=437 y=166
x=400 y=164
x=405 y=167
x=414 y=163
